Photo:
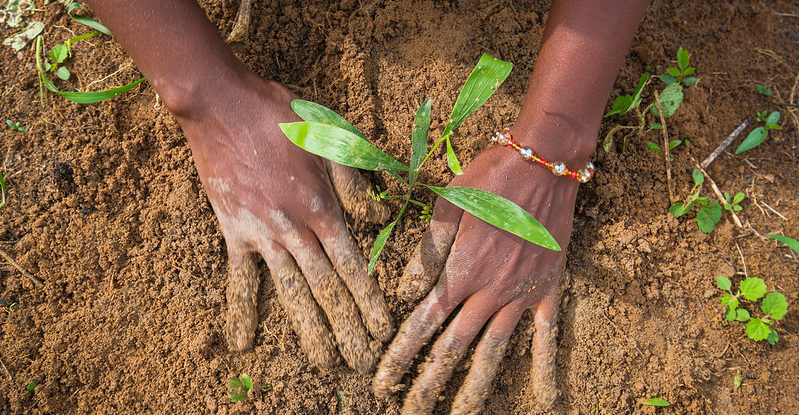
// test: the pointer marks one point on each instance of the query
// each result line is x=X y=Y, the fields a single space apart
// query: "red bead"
x=542 y=162
x=573 y=175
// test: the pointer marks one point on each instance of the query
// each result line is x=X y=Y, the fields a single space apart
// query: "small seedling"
x=732 y=202
x=656 y=148
x=773 y=306
x=238 y=387
x=329 y=135
x=31 y=386
x=2 y=190
x=15 y=126
x=759 y=134
x=737 y=380
x=763 y=90
x=10 y=308
x=656 y=402
x=709 y=213
x=680 y=74
x=342 y=400
x=792 y=243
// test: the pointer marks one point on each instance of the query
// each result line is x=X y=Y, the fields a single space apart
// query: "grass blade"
x=340 y=145
x=500 y=212
x=2 y=190
x=486 y=77
x=380 y=243
x=792 y=243
x=88 y=21
x=421 y=127
x=90 y=97
x=311 y=111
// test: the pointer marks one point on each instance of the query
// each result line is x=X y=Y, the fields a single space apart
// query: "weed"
x=31 y=386
x=732 y=202
x=15 y=126
x=328 y=135
x=238 y=387
x=709 y=212
x=656 y=148
x=763 y=90
x=792 y=243
x=773 y=306
x=342 y=400
x=680 y=74
x=759 y=134
x=2 y=190
x=737 y=380
x=656 y=402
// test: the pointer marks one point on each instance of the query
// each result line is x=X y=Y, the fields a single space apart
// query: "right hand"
x=274 y=199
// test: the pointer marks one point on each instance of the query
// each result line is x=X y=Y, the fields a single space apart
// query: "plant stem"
x=418 y=203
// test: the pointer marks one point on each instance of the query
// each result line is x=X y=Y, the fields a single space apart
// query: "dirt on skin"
x=105 y=206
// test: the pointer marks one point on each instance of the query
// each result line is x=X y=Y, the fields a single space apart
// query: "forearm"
x=174 y=45
x=584 y=44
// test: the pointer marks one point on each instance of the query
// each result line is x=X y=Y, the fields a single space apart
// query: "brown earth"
x=129 y=318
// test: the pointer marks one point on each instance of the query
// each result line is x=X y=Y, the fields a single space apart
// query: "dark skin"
x=289 y=212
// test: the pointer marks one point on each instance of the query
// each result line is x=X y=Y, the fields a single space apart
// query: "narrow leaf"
x=380 y=243
x=775 y=304
x=656 y=402
x=763 y=90
x=421 y=127
x=452 y=160
x=752 y=288
x=652 y=146
x=89 y=97
x=340 y=145
x=724 y=283
x=674 y=143
x=486 y=77
x=311 y=111
x=500 y=212
x=88 y=21
x=792 y=243
x=639 y=89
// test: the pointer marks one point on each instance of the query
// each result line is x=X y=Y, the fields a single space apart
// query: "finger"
x=447 y=352
x=413 y=334
x=242 y=297
x=486 y=361
x=351 y=267
x=431 y=253
x=352 y=190
x=544 y=348
x=305 y=315
x=358 y=350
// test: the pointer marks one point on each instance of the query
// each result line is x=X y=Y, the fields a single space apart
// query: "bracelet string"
x=557 y=168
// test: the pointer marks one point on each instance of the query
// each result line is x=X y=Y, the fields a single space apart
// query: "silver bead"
x=559 y=169
x=589 y=166
x=585 y=175
x=494 y=138
x=502 y=139
x=526 y=153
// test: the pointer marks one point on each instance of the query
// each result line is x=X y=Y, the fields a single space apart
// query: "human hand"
x=494 y=275
x=276 y=200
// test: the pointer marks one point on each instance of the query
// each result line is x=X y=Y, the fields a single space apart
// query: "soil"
x=105 y=206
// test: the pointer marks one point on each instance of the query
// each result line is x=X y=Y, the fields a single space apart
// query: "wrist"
x=557 y=138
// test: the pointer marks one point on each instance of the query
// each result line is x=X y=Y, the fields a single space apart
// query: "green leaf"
x=313 y=112
x=340 y=145
x=773 y=337
x=757 y=330
x=500 y=212
x=667 y=79
x=655 y=126
x=741 y=315
x=724 y=283
x=773 y=127
x=486 y=77
x=673 y=72
x=688 y=71
x=670 y=100
x=689 y=81
x=773 y=118
x=763 y=90
x=246 y=381
x=620 y=106
x=737 y=208
x=62 y=73
x=682 y=58
x=708 y=216
x=792 y=243
x=656 y=402
x=236 y=390
x=59 y=53
x=775 y=304
x=452 y=159
x=733 y=303
x=730 y=314
x=32 y=386
x=421 y=127
x=380 y=243
x=738 y=198
x=699 y=178
x=755 y=137
x=674 y=143
x=737 y=380
x=677 y=209
x=2 y=190
x=752 y=288
x=88 y=21
x=652 y=146
x=639 y=89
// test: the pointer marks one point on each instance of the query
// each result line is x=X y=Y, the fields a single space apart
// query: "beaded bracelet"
x=557 y=168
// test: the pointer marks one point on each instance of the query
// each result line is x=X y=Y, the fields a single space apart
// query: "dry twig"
x=665 y=149
x=36 y=281
x=726 y=143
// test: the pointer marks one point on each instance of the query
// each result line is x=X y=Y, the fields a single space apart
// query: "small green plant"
x=759 y=134
x=656 y=402
x=709 y=213
x=238 y=387
x=31 y=386
x=792 y=243
x=342 y=400
x=329 y=135
x=763 y=90
x=680 y=74
x=656 y=148
x=15 y=126
x=2 y=190
x=732 y=202
x=773 y=306
x=737 y=380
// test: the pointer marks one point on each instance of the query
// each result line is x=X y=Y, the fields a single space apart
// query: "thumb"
x=351 y=189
